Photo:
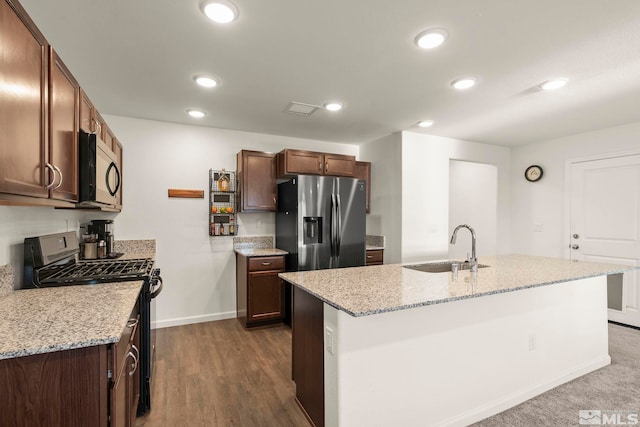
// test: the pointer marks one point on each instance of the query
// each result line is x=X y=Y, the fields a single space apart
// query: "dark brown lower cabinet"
x=260 y=292
x=374 y=257
x=308 y=354
x=89 y=386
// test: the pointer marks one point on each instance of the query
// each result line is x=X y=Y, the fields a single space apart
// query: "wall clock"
x=533 y=173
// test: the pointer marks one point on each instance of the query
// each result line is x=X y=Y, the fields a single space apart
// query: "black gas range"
x=52 y=260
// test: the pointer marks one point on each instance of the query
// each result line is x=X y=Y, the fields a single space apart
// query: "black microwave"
x=99 y=172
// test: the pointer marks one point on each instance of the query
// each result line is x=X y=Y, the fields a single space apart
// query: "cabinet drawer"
x=374 y=256
x=266 y=263
x=122 y=347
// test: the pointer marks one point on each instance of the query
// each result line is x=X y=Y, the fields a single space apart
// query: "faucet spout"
x=474 y=258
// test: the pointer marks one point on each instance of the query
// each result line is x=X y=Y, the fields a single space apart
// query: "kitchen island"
x=388 y=345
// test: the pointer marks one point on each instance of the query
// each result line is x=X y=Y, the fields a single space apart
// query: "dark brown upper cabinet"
x=363 y=171
x=24 y=151
x=302 y=162
x=257 y=181
x=63 y=129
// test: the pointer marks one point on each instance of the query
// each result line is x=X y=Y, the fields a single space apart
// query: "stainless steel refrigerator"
x=321 y=222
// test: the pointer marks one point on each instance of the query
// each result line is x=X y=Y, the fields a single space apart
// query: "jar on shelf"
x=223 y=181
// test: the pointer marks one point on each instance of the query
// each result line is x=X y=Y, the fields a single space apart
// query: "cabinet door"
x=63 y=129
x=100 y=126
x=266 y=296
x=257 y=179
x=375 y=257
x=134 y=378
x=299 y=162
x=118 y=401
x=23 y=71
x=339 y=165
x=87 y=121
x=363 y=171
x=108 y=137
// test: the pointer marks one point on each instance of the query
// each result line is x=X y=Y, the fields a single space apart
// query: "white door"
x=605 y=226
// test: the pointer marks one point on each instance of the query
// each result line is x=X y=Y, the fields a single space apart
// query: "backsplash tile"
x=135 y=246
x=6 y=279
x=377 y=241
x=254 y=242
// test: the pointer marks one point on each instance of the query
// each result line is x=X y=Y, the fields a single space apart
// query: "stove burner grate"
x=96 y=271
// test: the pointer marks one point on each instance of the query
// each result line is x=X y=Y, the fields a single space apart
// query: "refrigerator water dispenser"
x=312 y=230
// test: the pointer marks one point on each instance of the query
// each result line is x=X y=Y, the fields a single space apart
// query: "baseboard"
x=624 y=325
x=516 y=398
x=192 y=319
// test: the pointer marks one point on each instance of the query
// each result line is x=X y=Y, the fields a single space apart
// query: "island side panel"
x=307 y=354
x=459 y=362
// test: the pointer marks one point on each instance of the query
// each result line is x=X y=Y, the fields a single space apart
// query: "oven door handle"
x=156 y=289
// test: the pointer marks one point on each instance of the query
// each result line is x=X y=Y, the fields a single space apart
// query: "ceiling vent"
x=301 y=109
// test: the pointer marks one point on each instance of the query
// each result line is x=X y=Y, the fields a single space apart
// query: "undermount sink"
x=441 y=267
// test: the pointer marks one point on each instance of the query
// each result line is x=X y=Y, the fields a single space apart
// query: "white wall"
x=425 y=192
x=473 y=200
x=198 y=270
x=385 y=155
x=543 y=203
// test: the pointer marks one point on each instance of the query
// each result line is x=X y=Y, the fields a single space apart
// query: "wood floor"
x=218 y=374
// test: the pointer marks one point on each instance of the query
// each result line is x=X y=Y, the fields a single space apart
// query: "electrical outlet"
x=328 y=339
x=259 y=224
x=532 y=342
x=538 y=228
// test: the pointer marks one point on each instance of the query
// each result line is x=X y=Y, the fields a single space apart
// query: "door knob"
x=575 y=247
x=576 y=236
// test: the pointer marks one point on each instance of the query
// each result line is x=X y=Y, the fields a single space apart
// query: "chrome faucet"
x=474 y=259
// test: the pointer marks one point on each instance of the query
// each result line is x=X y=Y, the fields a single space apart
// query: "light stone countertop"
x=260 y=252
x=362 y=291
x=374 y=248
x=35 y=321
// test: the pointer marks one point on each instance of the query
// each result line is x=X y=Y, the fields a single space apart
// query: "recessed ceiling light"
x=425 y=123
x=206 y=81
x=196 y=114
x=431 y=38
x=220 y=11
x=553 y=84
x=333 y=106
x=464 y=83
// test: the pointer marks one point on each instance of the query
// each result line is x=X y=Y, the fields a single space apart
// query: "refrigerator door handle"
x=339 y=227
x=332 y=233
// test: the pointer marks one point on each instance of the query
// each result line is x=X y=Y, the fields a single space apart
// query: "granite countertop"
x=256 y=246
x=362 y=291
x=260 y=251
x=44 y=320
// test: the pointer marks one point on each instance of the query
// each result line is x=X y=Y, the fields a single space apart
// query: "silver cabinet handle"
x=131 y=323
x=274 y=200
x=575 y=246
x=576 y=236
x=135 y=360
x=53 y=172
x=60 y=172
x=266 y=263
x=369 y=256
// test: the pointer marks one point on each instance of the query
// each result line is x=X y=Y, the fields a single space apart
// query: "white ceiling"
x=136 y=58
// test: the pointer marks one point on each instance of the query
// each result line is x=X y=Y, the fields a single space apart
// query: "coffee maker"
x=103 y=228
